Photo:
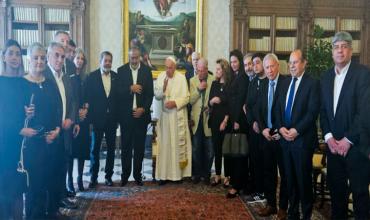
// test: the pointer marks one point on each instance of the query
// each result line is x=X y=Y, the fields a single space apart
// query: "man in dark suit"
x=101 y=95
x=135 y=98
x=342 y=89
x=365 y=124
x=67 y=112
x=255 y=137
x=272 y=152
x=63 y=37
x=296 y=115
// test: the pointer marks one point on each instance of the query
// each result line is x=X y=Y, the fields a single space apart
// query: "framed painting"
x=162 y=28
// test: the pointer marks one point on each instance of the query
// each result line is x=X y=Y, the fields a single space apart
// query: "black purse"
x=235 y=145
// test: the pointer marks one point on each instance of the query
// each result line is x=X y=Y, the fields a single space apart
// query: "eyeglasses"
x=341 y=46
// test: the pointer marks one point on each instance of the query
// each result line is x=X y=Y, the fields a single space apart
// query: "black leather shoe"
x=139 y=182
x=162 y=182
x=93 y=184
x=195 y=180
x=215 y=183
x=124 y=183
x=65 y=203
x=71 y=194
x=232 y=195
x=108 y=182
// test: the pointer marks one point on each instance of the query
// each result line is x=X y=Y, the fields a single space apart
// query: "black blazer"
x=126 y=98
x=346 y=121
x=102 y=109
x=262 y=102
x=305 y=111
x=71 y=102
x=217 y=112
x=69 y=67
x=365 y=124
x=252 y=98
x=236 y=96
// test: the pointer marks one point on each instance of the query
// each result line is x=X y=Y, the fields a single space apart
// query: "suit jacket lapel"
x=301 y=87
x=49 y=75
x=112 y=79
x=346 y=82
x=99 y=81
x=331 y=92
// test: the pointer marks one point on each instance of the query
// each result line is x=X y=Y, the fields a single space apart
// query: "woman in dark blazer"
x=218 y=115
x=12 y=116
x=237 y=121
x=81 y=143
x=46 y=124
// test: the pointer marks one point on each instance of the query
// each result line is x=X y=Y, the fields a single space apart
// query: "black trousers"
x=238 y=177
x=36 y=162
x=56 y=185
x=217 y=140
x=11 y=198
x=256 y=161
x=110 y=137
x=133 y=135
x=355 y=168
x=273 y=160
x=298 y=167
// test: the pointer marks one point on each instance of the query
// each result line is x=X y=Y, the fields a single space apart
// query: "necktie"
x=288 y=109
x=270 y=100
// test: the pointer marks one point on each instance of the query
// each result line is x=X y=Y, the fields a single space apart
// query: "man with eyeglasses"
x=342 y=89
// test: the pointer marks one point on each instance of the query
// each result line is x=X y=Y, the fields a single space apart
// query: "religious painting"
x=162 y=28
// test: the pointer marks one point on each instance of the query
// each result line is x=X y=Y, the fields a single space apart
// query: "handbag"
x=235 y=145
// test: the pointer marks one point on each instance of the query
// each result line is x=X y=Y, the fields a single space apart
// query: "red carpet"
x=172 y=201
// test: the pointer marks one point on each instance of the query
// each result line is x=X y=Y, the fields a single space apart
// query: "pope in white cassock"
x=174 y=143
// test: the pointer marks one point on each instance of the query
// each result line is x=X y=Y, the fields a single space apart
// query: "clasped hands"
x=289 y=135
x=340 y=147
x=268 y=136
x=49 y=136
x=136 y=88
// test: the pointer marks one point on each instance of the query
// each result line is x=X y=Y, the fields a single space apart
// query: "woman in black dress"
x=46 y=125
x=81 y=143
x=218 y=104
x=237 y=120
x=12 y=116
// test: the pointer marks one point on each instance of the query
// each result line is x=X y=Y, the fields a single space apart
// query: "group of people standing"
x=279 y=114
x=57 y=113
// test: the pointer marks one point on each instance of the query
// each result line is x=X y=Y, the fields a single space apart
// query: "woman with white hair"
x=44 y=127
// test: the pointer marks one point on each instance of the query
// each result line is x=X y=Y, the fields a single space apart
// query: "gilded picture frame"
x=162 y=28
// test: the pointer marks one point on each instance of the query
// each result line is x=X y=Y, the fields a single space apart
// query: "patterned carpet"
x=171 y=201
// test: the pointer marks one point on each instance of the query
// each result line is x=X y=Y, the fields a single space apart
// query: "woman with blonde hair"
x=81 y=142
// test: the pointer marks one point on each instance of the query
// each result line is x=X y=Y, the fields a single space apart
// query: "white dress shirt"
x=106 y=82
x=338 y=84
x=134 y=73
x=62 y=91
